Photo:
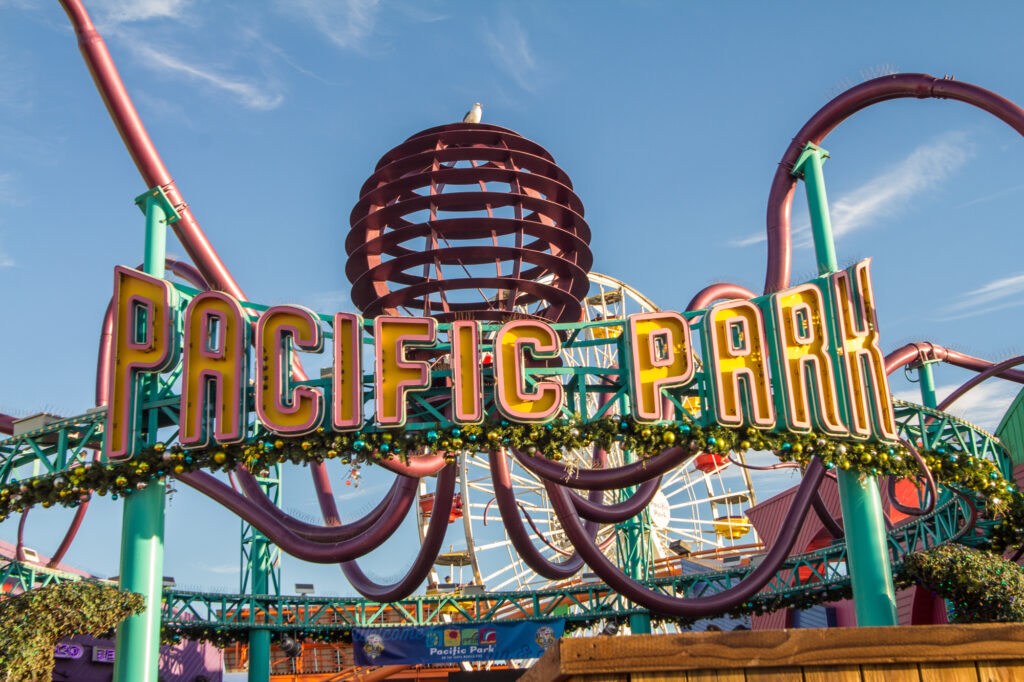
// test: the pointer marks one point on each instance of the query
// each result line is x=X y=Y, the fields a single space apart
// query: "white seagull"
x=473 y=115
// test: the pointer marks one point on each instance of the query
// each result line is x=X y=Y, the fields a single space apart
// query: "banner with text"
x=454 y=643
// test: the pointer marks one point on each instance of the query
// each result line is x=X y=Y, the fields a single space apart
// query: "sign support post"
x=259 y=576
x=874 y=597
x=142 y=526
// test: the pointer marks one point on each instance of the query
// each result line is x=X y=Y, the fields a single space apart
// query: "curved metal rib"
x=303 y=548
x=432 y=541
x=701 y=606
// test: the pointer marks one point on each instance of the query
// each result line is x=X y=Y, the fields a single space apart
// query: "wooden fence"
x=923 y=653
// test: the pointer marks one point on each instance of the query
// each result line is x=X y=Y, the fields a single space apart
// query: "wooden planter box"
x=921 y=653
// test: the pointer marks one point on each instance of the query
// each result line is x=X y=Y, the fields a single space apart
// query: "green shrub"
x=33 y=623
x=982 y=587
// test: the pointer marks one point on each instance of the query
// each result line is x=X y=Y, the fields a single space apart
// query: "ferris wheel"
x=700 y=509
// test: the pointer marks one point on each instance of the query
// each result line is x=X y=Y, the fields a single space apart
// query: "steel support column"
x=142 y=527
x=874 y=597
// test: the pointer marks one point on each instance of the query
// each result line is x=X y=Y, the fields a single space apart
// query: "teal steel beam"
x=142 y=527
x=874 y=597
x=927 y=379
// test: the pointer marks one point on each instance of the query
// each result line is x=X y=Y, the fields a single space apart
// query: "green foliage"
x=982 y=587
x=33 y=623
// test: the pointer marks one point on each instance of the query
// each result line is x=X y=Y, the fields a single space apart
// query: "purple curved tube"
x=700 y=606
x=620 y=511
x=417 y=467
x=716 y=292
x=331 y=532
x=520 y=538
x=143 y=152
x=299 y=547
x=919 y=85
x=69 y=536
x=19 y=548
x=433 y=539
x=825 y=516
x=153 y=171
x=978 y=378
x=929 y=481
x=926 y=351
x=605 y=479
x=771 y=467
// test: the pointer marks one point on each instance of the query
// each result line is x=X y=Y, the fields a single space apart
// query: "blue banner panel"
x=454 y=643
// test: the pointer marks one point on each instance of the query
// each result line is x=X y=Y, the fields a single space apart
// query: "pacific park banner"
x=454 y=643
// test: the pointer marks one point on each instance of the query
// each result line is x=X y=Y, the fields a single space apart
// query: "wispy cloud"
x=249 y=93
x=9 y=194
x=346 y=23
x=998 y=294
x=994 y=195
x=889 y=192
x=510 y=49
x=983 y=405
x=113 y=12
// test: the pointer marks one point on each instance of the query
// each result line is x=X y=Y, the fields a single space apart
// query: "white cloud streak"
x=510 y=49
x=245 y=91
x=994 y=195
x=346 y=23
x=988 y=298
x=114 y=12
x=888 y=193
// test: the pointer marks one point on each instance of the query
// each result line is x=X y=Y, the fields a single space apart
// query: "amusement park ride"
x=580 y=437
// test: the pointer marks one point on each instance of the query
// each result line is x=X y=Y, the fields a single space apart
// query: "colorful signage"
x=454 y=643
x=803 y=359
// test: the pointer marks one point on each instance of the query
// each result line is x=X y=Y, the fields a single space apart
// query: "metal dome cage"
x=469 y=221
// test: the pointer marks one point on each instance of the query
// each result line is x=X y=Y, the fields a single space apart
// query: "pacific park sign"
x=803 y=359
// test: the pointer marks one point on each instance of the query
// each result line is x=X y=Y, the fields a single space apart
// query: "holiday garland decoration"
x=70 y=487
x=33 y=623
x=981 y=587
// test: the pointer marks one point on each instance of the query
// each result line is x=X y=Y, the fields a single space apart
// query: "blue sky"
x=669 y=118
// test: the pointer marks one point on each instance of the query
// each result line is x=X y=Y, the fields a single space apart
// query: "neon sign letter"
x=857 y=329
x=145 y=341
x=467 y=373
x=660 y=353
x=287 y=409
x=803 y=349
x=347 y=386
x=734 y=342
x=512 y=396
x=396 y=375
x=216 y=357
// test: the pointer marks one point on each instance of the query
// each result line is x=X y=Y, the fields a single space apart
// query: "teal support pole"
x=142 y=526
x=259 y=575
x=927 y=379
x=259 y=640
x=874 y=597
x=634 y=554
x=259 y=655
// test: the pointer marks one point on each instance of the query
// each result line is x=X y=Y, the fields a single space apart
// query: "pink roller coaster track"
x=334 y=542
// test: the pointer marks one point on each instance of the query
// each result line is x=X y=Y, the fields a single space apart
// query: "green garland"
x=70 y=487
x=33 y=623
